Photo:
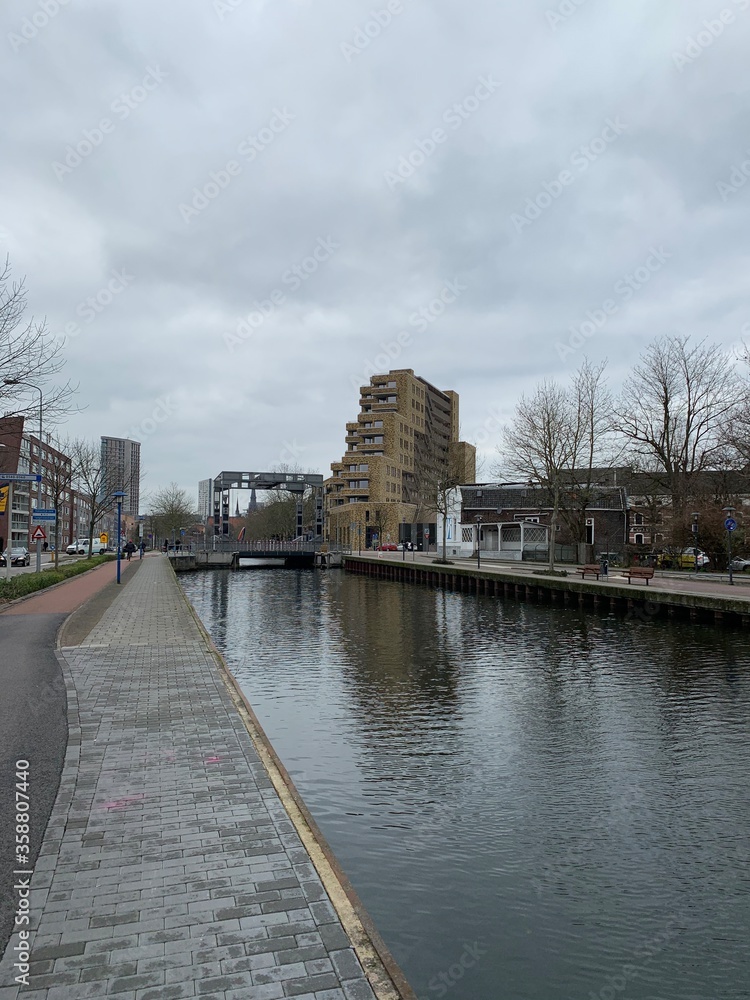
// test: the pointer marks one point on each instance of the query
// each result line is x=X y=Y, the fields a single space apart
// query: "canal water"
x=531 y=802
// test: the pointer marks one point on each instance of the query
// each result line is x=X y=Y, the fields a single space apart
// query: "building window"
x=639 y=541
x=638 y=519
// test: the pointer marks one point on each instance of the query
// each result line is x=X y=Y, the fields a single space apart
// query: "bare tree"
x=737 y=430
x=557 y=439
x=436 y=485
x=93 y=482
x=540 y=445
x=171 y=508
x=29 y=354
x=674 y=409
x=592 y=443
x=58 y=478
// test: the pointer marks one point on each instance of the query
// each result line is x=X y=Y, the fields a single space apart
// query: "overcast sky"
x=326 y=170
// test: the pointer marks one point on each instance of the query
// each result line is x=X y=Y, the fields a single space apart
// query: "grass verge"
x=28 y=583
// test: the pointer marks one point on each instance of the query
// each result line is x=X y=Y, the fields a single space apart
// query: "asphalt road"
x=33 y=726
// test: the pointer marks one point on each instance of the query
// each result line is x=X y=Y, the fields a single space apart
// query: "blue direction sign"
x=730 y=524
x=41 y=515
x=20 y=477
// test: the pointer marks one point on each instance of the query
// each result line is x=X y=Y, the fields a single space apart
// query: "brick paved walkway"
x=170 y=867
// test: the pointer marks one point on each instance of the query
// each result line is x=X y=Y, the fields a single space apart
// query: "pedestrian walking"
x=129 y=550
x=141 y=549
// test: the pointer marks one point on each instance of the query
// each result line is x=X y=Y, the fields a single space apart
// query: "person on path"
x=141 y=549
x=129 y=550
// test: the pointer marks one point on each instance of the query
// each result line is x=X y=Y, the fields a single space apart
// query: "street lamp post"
x=695 y=539
x=478 y=519
x=118 y=495
x=30 y=385
x=730 y=525
x=9 y=517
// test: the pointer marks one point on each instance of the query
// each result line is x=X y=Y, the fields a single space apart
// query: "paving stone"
x=170 y=867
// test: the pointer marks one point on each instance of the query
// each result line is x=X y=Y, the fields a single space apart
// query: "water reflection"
x=529 y=800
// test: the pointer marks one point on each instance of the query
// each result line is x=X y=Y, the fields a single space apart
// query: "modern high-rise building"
x=205 y=499
x=403 y=442
x=121 y=468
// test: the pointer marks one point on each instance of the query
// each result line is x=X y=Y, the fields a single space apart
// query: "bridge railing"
x=219 y=544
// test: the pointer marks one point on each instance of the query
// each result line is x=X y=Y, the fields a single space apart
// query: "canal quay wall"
x=611 y=595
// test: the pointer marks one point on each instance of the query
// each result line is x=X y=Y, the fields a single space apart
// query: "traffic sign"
x=103 y=538
x=43 y=515
x=38 y=534
x=20 y=477
x=730 y=524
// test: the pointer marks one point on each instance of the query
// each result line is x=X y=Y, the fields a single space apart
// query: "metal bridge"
x=293 y=482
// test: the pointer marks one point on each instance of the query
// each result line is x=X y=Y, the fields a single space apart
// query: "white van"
x=80 y=547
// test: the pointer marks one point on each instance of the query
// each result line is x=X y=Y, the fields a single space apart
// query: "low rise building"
x=512 y=521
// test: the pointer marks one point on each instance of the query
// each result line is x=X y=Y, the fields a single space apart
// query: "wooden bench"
x=638 y=573
x=593 y=568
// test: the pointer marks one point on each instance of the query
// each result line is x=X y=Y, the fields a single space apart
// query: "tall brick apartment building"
x=404 y=437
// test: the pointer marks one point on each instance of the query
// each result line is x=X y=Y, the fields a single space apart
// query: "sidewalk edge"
x=385 y=977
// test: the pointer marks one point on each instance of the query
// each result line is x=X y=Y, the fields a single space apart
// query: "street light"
x=118 y=495
x=730 y=525
x=9 y=516
x=695 y=539
x=478 y=519
x=30 y=385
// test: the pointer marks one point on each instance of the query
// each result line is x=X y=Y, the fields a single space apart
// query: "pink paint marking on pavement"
x=123 y=803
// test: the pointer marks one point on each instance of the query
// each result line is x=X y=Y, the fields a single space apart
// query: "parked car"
x=740 y=565
x=19 y=556
x=386 y=547
x=687 y=559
